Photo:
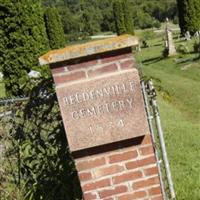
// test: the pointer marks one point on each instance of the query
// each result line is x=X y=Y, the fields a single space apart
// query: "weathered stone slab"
x=89 y=48
x=103 y=110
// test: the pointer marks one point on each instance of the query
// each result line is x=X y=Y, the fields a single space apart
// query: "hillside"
x=89 y=17
x=177 y=81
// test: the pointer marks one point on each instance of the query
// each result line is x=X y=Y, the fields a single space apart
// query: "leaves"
x=44 y=167
x=23 y=40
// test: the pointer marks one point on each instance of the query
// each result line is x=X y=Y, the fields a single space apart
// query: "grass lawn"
x=2 y=90
x=178 y=84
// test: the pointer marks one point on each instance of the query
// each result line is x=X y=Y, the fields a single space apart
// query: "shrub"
x=182 y=48
x=22 y=40
x=196 y=47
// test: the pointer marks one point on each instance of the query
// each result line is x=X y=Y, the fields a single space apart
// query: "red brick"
x=57 y=70
x=146 y=140
x=160 y=197
x=151 y=171
x=113 y=58
x=85 y=176
x=135 y=195
x=63 y=78
x=154 y=191
x=128 y=64
x=102 y=70
x=82 y=65
x=89 y=196
x=146 y=150
x=88 y=164
x=146 y=183
x=140 y=163
x=110 y=192
x=96 y=185
x=127 y=177
x=147 y=161
x=123 y=156
x=108 y=170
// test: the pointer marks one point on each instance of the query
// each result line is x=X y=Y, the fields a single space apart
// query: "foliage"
x=123 y=17
x=144 y=20
x=91 y=20
x=197 y=47
x=128 y=18
x=71 y=22
x=22 y=40
x=183 y=48
x=119 y=17
x=46 y=169
x=54 y=28
x=192 y=16
x=86 y=17
x=189 y=15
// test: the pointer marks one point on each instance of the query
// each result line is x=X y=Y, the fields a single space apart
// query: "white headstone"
x=187 y=35
x=34 y=74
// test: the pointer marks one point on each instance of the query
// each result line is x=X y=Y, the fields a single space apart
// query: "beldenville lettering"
x=113 y=90
x=98 y=110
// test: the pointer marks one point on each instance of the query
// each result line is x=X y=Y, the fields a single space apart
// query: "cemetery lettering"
x=103 y=110
x=107 y=107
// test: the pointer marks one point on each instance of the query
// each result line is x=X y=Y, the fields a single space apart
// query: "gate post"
x=101 y=103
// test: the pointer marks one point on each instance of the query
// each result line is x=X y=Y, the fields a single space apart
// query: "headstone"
x=197 y=34
x=187 y=36
x=34 y=74
x=102 y=107
x=169 y=41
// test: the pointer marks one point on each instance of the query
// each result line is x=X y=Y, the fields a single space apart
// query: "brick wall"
x=92 y=66
x=120 y=171
x=124 y=170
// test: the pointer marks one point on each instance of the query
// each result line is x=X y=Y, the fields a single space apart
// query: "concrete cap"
x=89 y=48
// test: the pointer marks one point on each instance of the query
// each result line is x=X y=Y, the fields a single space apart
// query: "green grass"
x=178 y=86
x=2 y=90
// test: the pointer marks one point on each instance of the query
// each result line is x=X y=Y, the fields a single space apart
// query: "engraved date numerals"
x=101 y=128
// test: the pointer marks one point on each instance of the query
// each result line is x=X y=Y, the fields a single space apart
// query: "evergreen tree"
x=189 y=15
x=182 y=15
x=22 y=40
x=119 y=17
x=192 y=17
x=128 y=18
x=54 y=28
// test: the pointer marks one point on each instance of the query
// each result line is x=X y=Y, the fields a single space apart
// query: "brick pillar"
x=117 y=162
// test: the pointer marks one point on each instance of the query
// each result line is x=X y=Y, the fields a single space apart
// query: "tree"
x=182 y=13
x=22 y=40
x=123 y=17
x=119 y=17
x=128 y=18
x=192 y=17
x=54 y=28
x=189 y=15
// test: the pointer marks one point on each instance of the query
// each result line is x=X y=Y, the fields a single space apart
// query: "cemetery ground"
x=177 y=81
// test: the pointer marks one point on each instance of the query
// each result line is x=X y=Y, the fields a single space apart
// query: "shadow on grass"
x=152 y=60
x=46 y=165
x=187 y=60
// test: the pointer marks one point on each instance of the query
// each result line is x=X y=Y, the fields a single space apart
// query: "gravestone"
x=102 y=107
x=197 y=34
x=187 y=36
x=169 y=43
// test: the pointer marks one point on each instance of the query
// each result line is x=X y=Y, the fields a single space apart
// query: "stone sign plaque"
x=103 y=110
